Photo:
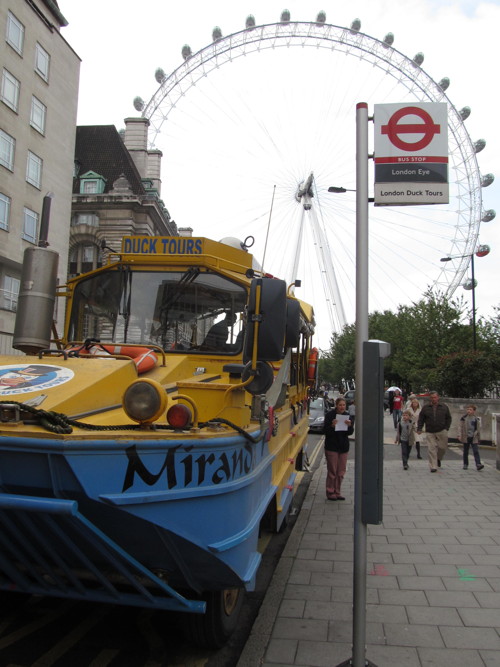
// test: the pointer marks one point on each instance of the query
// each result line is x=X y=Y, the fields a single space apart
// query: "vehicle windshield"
x=192 y=310
x=317 y=404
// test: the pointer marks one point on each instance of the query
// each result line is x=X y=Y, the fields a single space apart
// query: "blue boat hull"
x=188 y=511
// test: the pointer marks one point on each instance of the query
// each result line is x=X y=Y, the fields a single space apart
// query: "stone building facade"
x=116 y=192
x=38 y=105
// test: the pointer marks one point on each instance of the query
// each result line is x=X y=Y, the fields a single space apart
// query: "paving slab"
x=432 y=579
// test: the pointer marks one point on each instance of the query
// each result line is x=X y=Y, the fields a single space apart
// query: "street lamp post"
x=481 y=251
x=473 y=287
x=339 y=190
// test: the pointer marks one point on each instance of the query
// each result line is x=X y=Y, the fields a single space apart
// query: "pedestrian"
x=410 y=399
x=397 y=407
x=338 y=427
x=403 y=432
x=436 y=418
x=414 y=408
x=352 y=411
x=469 y=434
x=391 y=400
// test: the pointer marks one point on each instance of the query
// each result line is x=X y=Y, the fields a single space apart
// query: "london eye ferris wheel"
x=257 y=126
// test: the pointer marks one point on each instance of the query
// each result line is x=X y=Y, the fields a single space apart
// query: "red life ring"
x=143 y=358
x=313 y=362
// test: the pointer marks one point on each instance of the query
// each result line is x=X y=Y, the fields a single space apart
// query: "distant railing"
x=494 y=391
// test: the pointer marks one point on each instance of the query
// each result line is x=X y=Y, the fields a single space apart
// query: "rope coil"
x=57 y=422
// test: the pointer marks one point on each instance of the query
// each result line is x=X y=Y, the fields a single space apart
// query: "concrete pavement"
x=433 y=573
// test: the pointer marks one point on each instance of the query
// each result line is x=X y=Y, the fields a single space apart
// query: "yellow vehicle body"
x=160 y=439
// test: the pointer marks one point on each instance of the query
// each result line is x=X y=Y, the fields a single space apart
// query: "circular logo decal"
x=25 y=378
x=428 y=128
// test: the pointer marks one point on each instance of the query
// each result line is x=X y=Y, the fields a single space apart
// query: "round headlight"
x=145 y=401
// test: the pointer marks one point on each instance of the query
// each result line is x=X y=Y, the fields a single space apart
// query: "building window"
x=15 y=33
x=42 y=62
x=10 y=293
x=92 y=183
x=38 y=114
x=4 y=211
x=91 y=219
x=30 y=225
x=10 y=90
x=7 y=148
x=34 y=170
x=89 y=187
x=83 y=258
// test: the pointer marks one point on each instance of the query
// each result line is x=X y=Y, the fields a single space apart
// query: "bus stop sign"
x=411 y=154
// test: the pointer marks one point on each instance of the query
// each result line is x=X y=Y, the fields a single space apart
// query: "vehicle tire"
x=213 y=628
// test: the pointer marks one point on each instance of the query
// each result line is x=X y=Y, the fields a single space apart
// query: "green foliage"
x=430 y=348
x=467 y=374
x=490 y=329
x=339 y=362
x=424 y=332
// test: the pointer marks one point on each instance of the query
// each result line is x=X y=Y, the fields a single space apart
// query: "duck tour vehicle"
x=142 y=452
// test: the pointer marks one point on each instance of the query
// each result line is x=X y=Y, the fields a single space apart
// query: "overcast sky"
x=269 y=119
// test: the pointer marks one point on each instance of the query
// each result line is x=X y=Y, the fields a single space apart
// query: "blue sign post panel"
x=411 y=154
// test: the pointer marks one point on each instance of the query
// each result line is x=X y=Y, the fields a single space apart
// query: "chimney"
x=154 y=168
x=136 y=142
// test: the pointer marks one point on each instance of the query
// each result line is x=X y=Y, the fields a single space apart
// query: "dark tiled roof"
x=100 y=148
x=53 y=7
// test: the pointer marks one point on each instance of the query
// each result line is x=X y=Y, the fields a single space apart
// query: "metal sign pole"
x=360 y=528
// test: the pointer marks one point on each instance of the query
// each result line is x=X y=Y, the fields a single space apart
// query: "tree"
x=338 y=364
x=426 y=331
x=425 y=336
x=469 y=374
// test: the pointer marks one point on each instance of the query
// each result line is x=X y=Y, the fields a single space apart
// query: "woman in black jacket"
x=338 y=427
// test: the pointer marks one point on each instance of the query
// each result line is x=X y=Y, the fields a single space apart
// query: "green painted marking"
x=465 y=575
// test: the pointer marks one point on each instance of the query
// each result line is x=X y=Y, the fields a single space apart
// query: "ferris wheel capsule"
x=483 y=250
x=479 y=145
x=489 y=215
x=418 y=58
x=465 y=113
x=470 y=284
x=356 y=26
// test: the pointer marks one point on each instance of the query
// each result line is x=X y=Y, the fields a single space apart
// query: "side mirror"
x=266 y=320
x=292 y=334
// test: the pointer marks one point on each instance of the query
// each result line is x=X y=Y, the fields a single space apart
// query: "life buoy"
x=143 y=358
x=313 y=362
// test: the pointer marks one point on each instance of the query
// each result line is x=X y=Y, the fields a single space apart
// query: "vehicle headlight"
x=145 y=401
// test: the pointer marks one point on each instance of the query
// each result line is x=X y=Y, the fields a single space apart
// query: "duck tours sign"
x=411 y=154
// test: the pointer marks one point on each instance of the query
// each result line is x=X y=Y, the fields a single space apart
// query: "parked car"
x=350 y=397
x=317 y=409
